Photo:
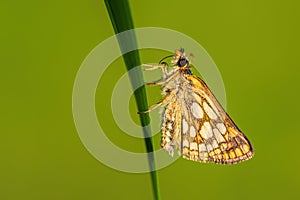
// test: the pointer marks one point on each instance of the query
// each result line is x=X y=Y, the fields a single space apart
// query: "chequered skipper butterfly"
x=194 y=122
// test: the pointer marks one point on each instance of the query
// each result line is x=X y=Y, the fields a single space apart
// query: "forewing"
x=208 y=133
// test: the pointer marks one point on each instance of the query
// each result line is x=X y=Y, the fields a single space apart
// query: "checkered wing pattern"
x=208 y=133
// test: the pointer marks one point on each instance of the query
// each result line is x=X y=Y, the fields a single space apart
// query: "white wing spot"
x=185 y=143
x=167 y=139
x=192 y=131
x=197 y=98
x=202 y=147
x=196 y=110
x=218 y=135
x=209 y=147
x=185 y=126
x=169 y=125
x=193 y=146
x=168 y=133
x=209 y=111
x=206 y=131
x=215 y=144
x=221 y=128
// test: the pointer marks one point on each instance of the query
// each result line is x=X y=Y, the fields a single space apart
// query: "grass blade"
x=120 y=16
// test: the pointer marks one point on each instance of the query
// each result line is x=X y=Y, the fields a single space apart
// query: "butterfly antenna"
x=160 y=62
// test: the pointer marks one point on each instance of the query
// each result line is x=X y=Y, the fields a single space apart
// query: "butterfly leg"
x=162 y=66
x=159 y=82
x=156 y=105
x=153 y=67
x=163 y=80
x=151 y=108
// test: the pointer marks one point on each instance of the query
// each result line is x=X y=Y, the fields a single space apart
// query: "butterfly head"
x=182 y=61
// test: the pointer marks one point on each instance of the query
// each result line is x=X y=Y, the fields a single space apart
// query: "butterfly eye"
x=182 y=62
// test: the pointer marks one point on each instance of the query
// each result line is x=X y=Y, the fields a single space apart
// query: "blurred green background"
x=255 y=45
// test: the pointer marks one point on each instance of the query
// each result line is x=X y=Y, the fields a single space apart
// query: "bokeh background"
x=255 y=45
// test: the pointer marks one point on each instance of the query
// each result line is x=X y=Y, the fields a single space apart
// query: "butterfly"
x=194 y=122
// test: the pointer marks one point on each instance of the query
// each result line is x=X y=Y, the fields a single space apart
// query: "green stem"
x=120 y=16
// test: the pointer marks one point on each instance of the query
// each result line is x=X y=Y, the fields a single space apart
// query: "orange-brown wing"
x=208 y=133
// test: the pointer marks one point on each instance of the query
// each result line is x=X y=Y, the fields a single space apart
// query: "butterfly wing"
x=208 y=133
x=171 y=126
